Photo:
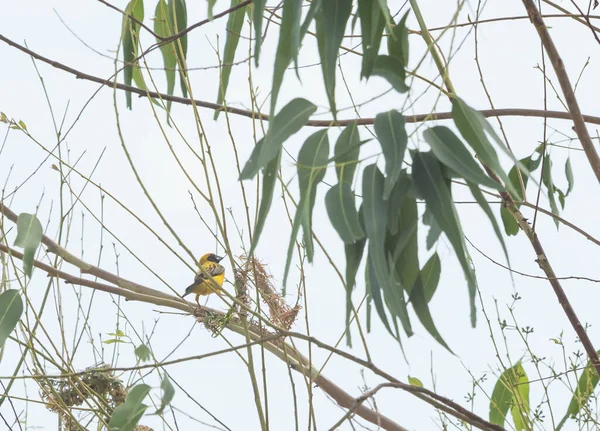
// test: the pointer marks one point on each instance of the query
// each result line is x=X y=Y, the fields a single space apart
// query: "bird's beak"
x=219 y=258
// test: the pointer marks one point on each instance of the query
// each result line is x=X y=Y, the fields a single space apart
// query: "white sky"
x=509 y=54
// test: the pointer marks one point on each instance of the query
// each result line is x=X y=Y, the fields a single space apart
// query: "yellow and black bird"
x=202 y=284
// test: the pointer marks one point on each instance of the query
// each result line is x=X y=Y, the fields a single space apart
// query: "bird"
x=202 y=284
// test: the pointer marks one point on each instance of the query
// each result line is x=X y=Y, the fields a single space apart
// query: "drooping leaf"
x=434 y=229
x=588 y=381
x=430 y=276
x=353 y=253
x=395 y=200
x=398 y=41
x=375 y=219
x=288 y=121
x=374 y=291
x=235 y=22
x=129 y=41
x=312 y=164
x=11 y=308
x=258 y=8
x=569 y=174
x=126 y=416
x=404 y=245
x=268 y=186
x=168 y=392
x=346 y=151
x=511 y=389
x=372 y=23
x=429 y=182
x=547 y=180
x=29 y=237
x=178 y=15
x=449 y=150
x=391 y=133
x=478 y=195
x=392 y=70
x=473 y=127
x=163 y=28
x=331 y=24
x=419 y=301
x=511 y=227
x=341 y=208
x=287 y=48
x=142 y=352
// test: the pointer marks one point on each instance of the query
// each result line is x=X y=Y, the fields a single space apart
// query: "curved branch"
x=419 y=118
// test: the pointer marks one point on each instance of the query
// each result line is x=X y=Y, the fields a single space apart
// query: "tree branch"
x=565 y=84
x=419 y=118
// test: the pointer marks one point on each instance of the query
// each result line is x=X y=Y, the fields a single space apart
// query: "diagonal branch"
x=565 y=84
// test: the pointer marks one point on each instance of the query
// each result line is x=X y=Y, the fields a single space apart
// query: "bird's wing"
x=213 y=271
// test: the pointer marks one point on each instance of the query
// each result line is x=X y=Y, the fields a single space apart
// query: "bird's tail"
x=188 y=290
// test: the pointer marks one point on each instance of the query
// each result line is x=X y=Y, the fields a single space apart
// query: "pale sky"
x=509 y=56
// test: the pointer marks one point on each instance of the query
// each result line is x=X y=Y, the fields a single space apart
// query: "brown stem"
x=136 y=292
x=312 y=123
x=565 y=84
x=544 y=264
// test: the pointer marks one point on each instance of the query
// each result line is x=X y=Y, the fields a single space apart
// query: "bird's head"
x=210 y=257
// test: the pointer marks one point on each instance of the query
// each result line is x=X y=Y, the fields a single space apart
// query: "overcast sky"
x=84 y=35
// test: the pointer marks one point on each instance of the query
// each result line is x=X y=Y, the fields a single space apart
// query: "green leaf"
x=126 y=416
x=312 y=164
x=414 y=381
x=374 y=292
x=353 y=254
x=163 y=28
x=178 y=17
x=11 y=308
x=419 y=301
x=569 y=174
x=346 y=152
x=429 y=182
x=511 y=389
x=434 y=229
x=391 y=133
x=547 y=180
x=258 y=8
x=585 y=388
x=29 y=237
x=287 y=48
x=511 y=227
x=266 y=198
x=430 y=276
x=331 y=23
x=113 y=341
x=167 y=395
x=473 y=127
x=143 y=352
x=375 y=219
x=392 y=70
x=288 y=121
x=372 y=23
x=398 y=41
x=449 y=150
x=341 y=208
x=403 y=247
x=395 y=200
x=478 y=195
x=235 y=22
x=130 y=31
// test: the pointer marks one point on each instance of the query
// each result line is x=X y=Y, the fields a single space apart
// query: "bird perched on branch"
x=202 y=284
